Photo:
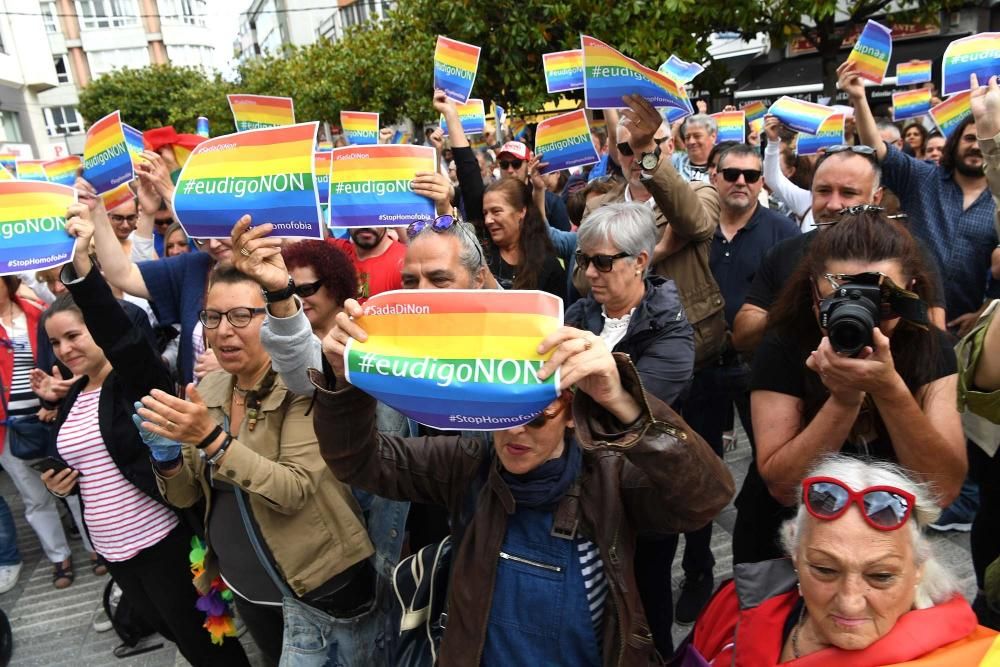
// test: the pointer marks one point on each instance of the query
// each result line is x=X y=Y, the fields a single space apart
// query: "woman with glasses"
x=851 y=363
x=545 y=519
x=521 y=254
x=861 y=585
x=282 y=532
x=143 y=541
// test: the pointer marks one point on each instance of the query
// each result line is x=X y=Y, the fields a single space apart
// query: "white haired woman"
x=861 y=586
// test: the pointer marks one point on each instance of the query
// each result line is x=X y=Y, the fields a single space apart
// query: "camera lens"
x=850 y=326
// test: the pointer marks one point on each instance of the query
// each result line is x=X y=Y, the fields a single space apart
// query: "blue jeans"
x=315 y=639
x=9 y=555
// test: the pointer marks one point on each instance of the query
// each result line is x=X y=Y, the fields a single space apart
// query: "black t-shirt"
x=779 y=365
x=780 y=262
x=551 y=277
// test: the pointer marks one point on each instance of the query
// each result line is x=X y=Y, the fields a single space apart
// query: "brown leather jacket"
x=689 y=213
x=656 y=477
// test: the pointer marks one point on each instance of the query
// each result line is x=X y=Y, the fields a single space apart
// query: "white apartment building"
x=65 y=44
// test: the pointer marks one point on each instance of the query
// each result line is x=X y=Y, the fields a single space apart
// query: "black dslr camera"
x=850 y=314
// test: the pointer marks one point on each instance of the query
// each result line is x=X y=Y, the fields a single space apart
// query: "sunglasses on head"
x=883 y=507
x=510 y=164
x=732 y=174
x=603 y=263
x=625 y=149
x=866 y=152
x=439 y=224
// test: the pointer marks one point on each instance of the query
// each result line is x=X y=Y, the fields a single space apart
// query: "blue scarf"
x=547 y=483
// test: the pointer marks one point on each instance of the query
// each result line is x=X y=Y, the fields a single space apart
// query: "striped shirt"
x=121 y=519
x=592 y=569
x=21 y=401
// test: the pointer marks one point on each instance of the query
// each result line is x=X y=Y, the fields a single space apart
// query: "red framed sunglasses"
x=883 y=507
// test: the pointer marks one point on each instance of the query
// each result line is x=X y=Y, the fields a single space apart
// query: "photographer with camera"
x=851 y=364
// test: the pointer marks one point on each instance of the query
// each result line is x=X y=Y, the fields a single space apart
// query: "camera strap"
x=908 y=306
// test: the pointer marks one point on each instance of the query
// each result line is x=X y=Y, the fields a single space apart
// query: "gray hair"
x=846 y=155
x=629 y=227
x=702 y=120
x=891 y=128
x=471 y=255
x=937 y=584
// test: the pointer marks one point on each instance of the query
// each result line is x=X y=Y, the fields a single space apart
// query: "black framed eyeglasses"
x=510 y=164
x=239 y=317
x=603 y=263
x=308 y=289
x=118 y=219
x=732 y=174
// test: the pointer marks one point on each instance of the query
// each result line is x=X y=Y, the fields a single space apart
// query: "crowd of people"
x=840 y=306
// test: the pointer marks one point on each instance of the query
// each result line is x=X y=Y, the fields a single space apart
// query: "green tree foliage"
x=159 y=95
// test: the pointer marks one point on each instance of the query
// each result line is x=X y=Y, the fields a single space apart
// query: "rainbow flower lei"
x=218 y=602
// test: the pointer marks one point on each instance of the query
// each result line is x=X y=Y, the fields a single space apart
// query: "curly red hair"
x=332 y=267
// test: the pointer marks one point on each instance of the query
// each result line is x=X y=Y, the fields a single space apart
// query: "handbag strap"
x=257 y=548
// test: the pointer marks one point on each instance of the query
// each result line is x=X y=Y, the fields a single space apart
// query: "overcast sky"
x=224 y=20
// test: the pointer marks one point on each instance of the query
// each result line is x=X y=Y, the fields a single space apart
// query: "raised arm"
x=799 y=200
x=851 y=83
x=119 y=270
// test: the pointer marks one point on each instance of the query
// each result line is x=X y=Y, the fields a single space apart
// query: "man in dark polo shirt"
x=746 y=231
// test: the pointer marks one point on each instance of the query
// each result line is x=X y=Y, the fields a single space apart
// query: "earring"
x=638 y=273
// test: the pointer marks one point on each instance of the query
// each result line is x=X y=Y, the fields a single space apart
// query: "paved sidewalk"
x=52 y=628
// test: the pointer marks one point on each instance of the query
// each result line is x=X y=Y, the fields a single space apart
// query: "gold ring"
x=169 y=425
x=587 y=344
x=244 y=251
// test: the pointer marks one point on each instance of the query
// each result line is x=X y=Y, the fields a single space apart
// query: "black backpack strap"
x=567 y=514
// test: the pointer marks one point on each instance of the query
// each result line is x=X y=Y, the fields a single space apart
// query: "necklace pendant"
x=252 y=418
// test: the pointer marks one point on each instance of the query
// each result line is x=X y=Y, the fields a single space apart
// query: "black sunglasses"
x=510 y=164
x=732 y=174
x=625 y=149
x=603 y=263
x=308 y=289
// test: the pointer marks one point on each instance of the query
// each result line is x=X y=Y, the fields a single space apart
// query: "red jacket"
x=32 y=312
x=739 y=628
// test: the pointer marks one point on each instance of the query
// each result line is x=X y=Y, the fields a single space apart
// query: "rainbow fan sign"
x=266 y=173
x=679 y=70
x=63 y=171
x=8 y=161
x=360 y=127
x=457 y=359
x=321 y=166
x=133 y=139
x=455 y=66
x=563 y=70
x=872 y=51
x=913 y=72
x=800 y=115
x=754 y=110
x=976 y=54
x=911 y=103
x=256 y=112
x=473 y=117
x=609 y=75
x=31 y=170
x=107 y=162
x=732 y=126
x=5 y=175
x=831 y=133
x=33 y=226
x=564 y=142
x=948 y=115
x=370 y=185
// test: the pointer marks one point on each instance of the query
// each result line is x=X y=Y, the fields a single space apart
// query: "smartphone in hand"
x=50 y=463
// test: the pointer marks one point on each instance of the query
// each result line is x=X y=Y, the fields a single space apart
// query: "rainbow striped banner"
x=133 y=139
x=9 y=162
x=370 y=185
x=975 y=54
x=754 y=110
x=609 y=75
x=5 y=175
x=949 y=114
x=872 y=51
x=402 y=136
x=831 y=133
x=564 y=141
x=473 y=117
x=256 y=112
x=360 y=127
x=732 y=126
x=321 y=166
x=267 y=173
x=33 y=226
x=756 y=125
x=31 y=170
x=63 y=171
x=107 y=162
x=915 y=71
x=680 y=71
x=911 y=103
x=800 y=115
x=455 y=66
x=518 y=129
x=457 y=359
x=324 y=146
x=563 y=70
x=120 y=195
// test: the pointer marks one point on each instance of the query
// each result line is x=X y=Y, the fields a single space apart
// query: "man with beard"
x=376 y=256
x=949 y=206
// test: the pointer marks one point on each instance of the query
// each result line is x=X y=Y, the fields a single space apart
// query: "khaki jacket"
x=655 y=477
x=689 y=212
x=309 y=520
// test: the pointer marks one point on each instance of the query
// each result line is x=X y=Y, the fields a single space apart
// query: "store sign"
x=800 y=46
